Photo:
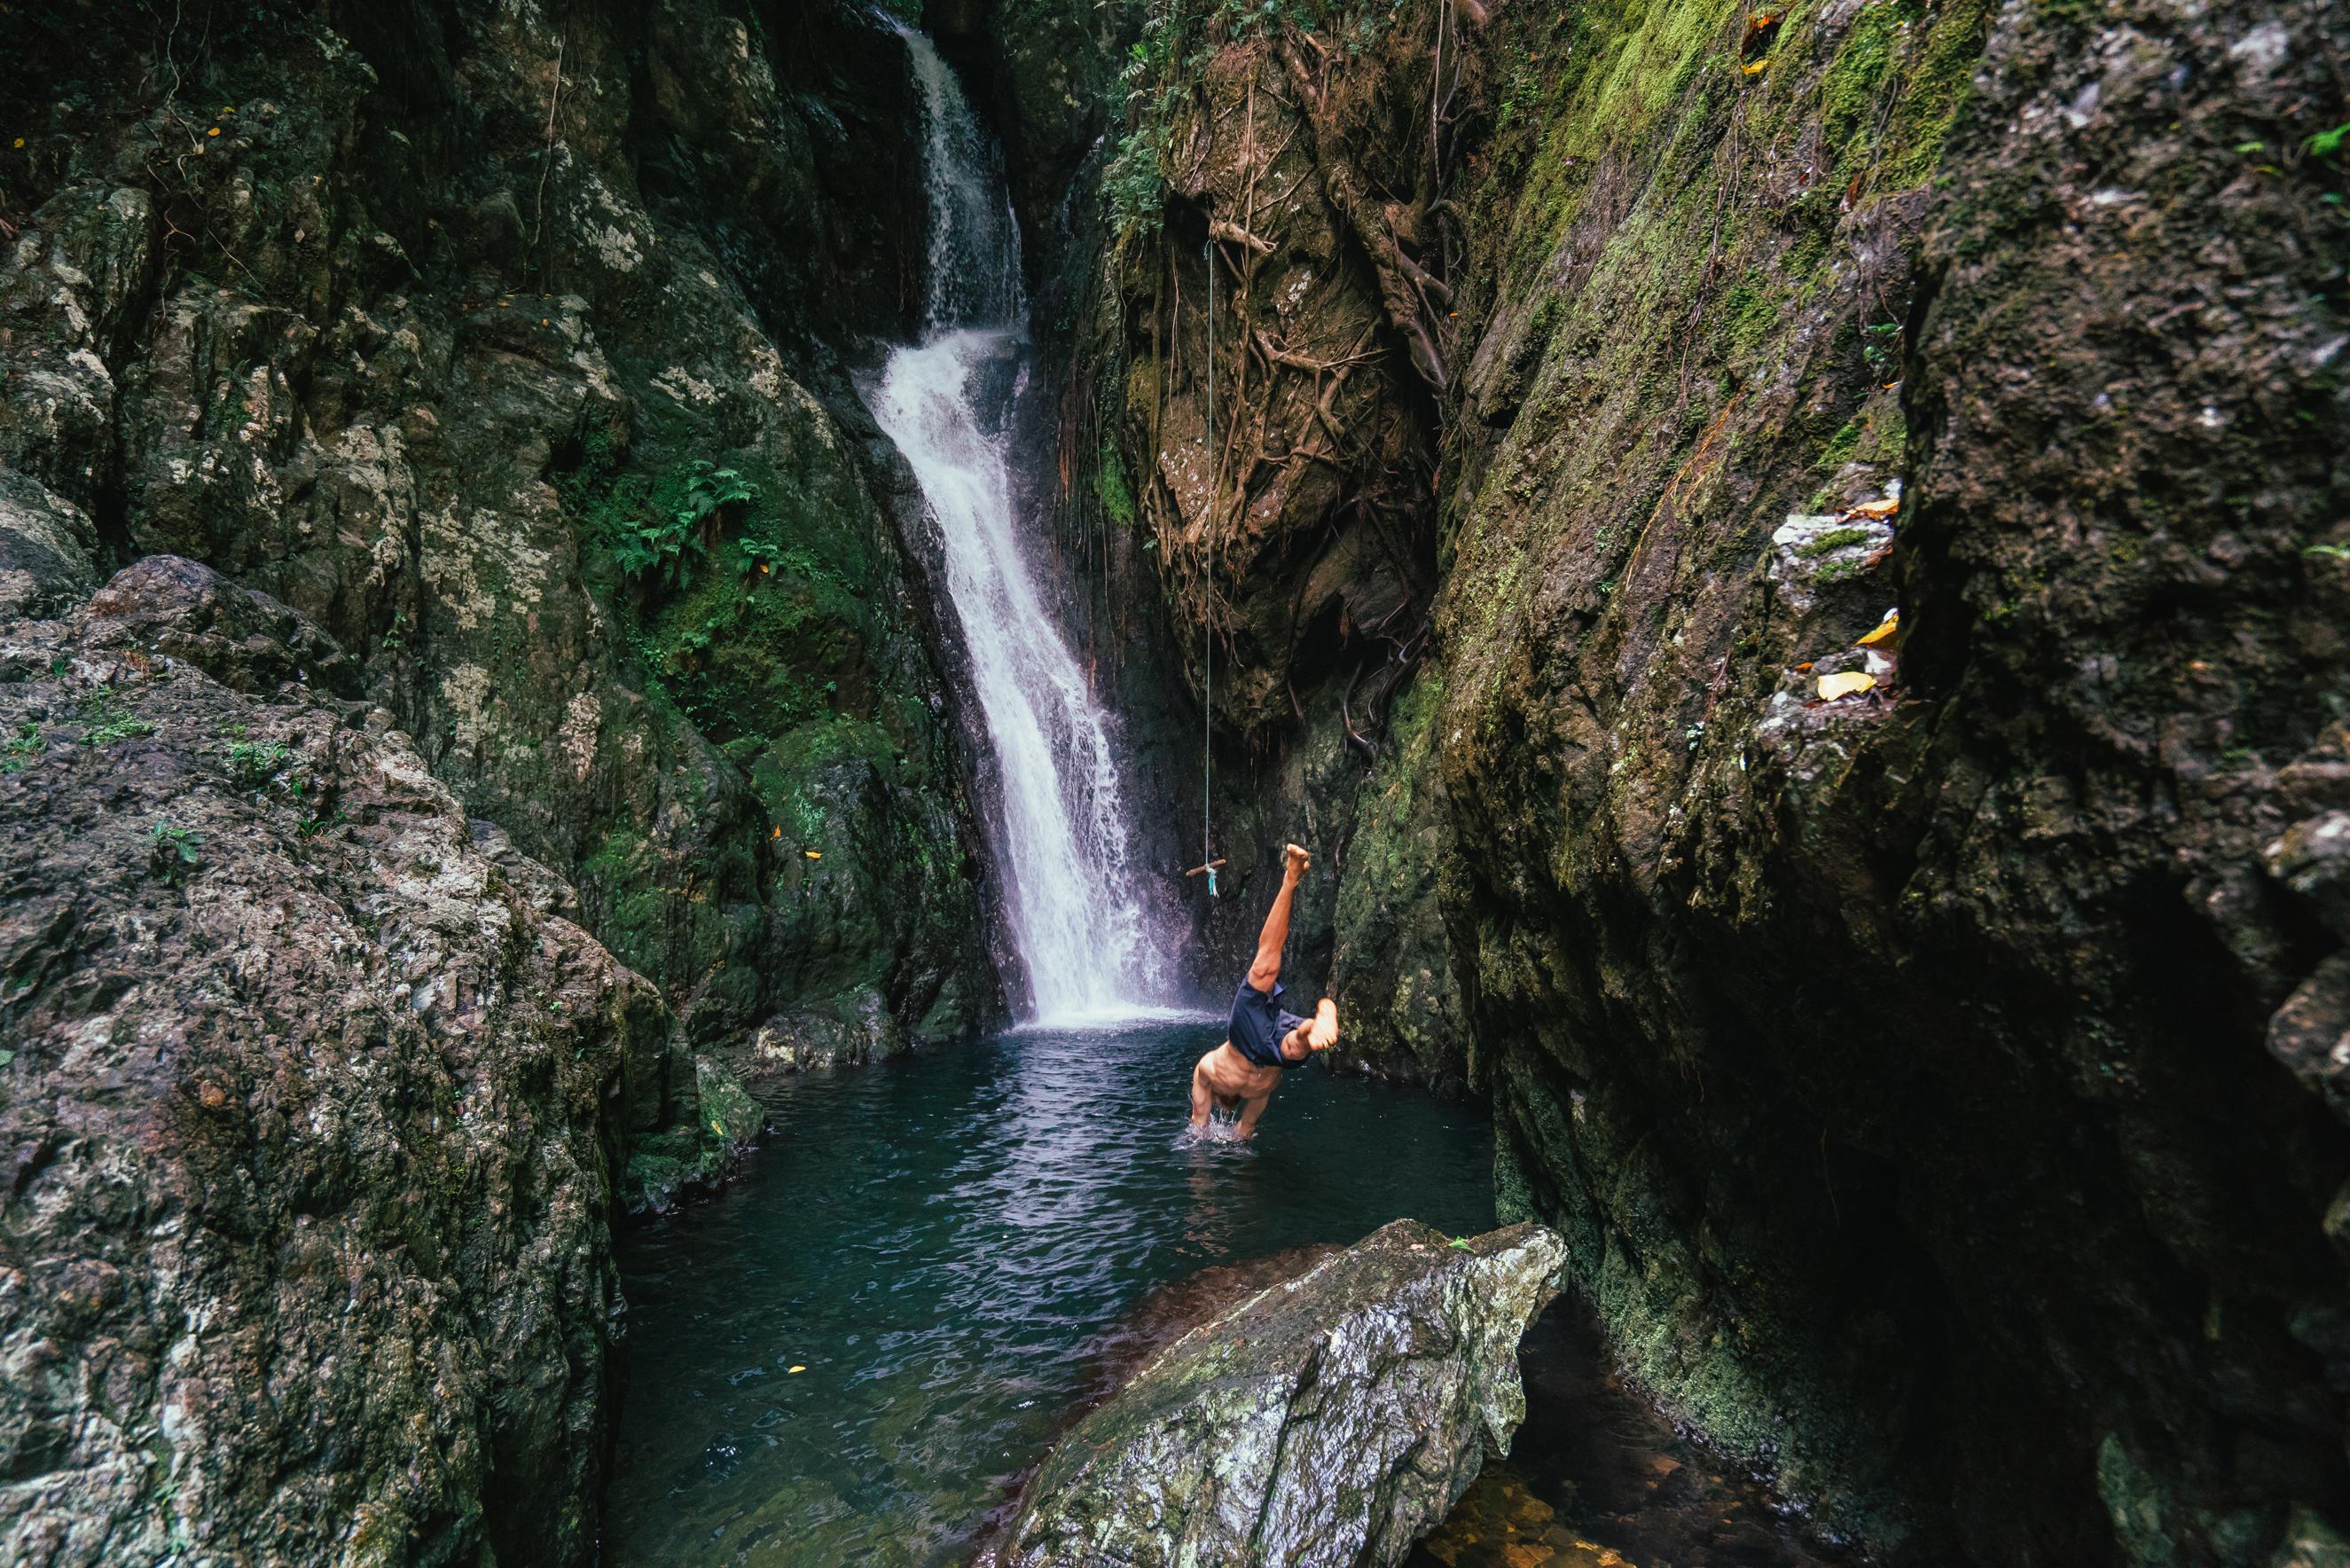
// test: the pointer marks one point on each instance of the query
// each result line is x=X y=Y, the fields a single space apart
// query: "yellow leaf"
x=1885 y=629
x=1877 y=510
x=799 y=1369
x=214 y=131
x=813 y=854
x=774 y=833
x=20 y=141
x=1850 y=683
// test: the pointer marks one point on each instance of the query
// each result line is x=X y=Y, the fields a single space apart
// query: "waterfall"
x=1059 y=829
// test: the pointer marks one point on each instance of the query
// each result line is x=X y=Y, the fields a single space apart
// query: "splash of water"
x=1060 y=830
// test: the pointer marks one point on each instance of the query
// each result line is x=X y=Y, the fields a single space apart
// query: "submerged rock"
x=1331 y=1419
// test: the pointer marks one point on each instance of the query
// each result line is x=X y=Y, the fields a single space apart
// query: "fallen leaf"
x=774 y=833
x=214 y=131
x=799 y=1369
x=1877 y=510
x=1851 y=683
x=813 y=854
x=1885 y=629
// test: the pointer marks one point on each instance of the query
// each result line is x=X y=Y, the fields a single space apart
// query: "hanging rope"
x=1208 y=644
x=1207 y=861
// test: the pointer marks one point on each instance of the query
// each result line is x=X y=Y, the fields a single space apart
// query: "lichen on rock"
x=314 y=1109
x=1327 y=1421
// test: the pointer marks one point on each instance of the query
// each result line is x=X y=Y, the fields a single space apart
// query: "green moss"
x=1834 y=539
x=626 y=884
x=1841 y=445
x=1112 y=487
x=662 y=1165
x=1853 y=88
x=1938 y=86
x=1750 y=314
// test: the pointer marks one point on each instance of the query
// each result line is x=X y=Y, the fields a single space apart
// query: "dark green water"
x=944 y=1241
x=954 y=1245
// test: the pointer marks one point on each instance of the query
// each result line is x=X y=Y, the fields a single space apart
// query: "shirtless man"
x=1241 y=1073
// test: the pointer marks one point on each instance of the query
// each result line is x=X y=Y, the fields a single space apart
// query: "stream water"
x=948 y=1242
x=854 y=1355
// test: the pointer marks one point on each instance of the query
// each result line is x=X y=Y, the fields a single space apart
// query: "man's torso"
x=1233 y=1074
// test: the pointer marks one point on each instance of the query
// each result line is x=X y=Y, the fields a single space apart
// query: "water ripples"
x=943 y=1241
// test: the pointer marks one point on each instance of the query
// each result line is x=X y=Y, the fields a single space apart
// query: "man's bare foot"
x=1295 y=860
x=1323 y=1033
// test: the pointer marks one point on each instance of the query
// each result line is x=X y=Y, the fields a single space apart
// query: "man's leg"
x=1275 y=935
x=1199 y=1094
x=1249 y=1111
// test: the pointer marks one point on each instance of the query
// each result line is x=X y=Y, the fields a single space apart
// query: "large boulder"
x=1330 y=1419
x=310 y=1105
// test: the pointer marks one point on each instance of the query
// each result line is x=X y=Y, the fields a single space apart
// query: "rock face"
x=1326 y=1422
x=470 y=332
x=1907 y=1071
x=311 y=1099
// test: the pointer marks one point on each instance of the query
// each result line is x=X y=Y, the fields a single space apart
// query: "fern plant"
x=682 y=526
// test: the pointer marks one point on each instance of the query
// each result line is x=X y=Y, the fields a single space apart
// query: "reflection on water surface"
x=955 y=1246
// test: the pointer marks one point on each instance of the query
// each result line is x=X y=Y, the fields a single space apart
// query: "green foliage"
x=1153 y=86
x=1111 y=486
x=709 y=488
x=1879 y=346
x=105 y=721
x=173 y=852
x=1134 y=188
x=683 y=514
x=2328 y=143
x=22 y=747
x=254 y=763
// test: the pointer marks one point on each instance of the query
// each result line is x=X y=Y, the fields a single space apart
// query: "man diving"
x=1242 y=1073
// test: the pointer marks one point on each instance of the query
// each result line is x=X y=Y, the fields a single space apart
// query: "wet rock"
x=311 y=1108
x=412 y=335
x=183 y=610
x=2002 y=945
x=47 y=550
x=1329 y=1420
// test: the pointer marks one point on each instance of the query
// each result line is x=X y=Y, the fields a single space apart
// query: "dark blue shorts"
x=1259 y=1026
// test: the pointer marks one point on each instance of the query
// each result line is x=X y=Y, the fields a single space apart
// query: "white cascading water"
x=1061 y=831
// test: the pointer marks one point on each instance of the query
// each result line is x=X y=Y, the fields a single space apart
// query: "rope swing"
x=1208 y=862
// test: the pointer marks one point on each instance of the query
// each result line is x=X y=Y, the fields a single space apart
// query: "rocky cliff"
x=472 y=333
x=513 y=722
x=311 y=1099
x=1792 y=556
